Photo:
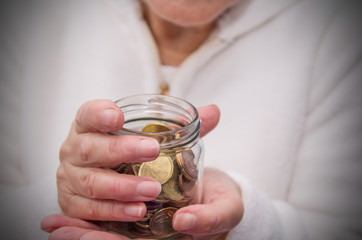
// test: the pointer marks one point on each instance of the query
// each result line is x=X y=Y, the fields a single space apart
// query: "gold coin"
x=156 y=127
x=161 y=199
x=185 y=160
x=161 y=222
x=160 y=127
x=180 y=203
x=171 y=189
x=160 y=169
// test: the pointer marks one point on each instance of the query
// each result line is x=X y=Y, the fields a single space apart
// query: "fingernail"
x=184 y=221
x=109 y=118
x=148 y=148
x=149 y=189
x=134 y=211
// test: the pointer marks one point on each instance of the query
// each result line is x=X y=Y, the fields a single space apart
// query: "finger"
x=68 y=233
x=98 y=116
x=223 y=208
x=76 y=233
x=55 y=221
x=99 y=150
x=102 y=210
x=209 y=116
x=98 y=183
x=217 y=236
x=96 y=235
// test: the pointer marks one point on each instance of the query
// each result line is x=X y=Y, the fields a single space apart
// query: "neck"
x=175 y=43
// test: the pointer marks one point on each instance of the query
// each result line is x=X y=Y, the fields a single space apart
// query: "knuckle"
x=63 y=201
x=118 y=188
x=101 y=210
x=85 y=147
x=214 y=224
x=80 y=114
x=89 y=183
x=60 y=174
x=112 y=210
x=92 y=210
x=113 y=148
x=64 y=151
x=238 y=212
x=78 y=121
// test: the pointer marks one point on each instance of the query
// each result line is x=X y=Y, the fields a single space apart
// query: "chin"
x=190 y=22
x=187 y=13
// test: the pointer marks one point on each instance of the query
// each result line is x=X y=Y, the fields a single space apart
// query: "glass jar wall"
x=175 y=124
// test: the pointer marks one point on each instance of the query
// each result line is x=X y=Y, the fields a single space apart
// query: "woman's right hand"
x=87 y=188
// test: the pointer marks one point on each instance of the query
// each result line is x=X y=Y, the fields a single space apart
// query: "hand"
x=87 y=189
x=221 y=210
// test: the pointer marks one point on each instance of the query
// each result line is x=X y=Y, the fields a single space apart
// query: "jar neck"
x=181 y=116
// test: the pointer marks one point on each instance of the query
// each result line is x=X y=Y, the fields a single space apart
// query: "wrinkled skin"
x=88 y=190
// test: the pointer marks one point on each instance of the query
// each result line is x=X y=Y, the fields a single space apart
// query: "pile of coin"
x=177 y=172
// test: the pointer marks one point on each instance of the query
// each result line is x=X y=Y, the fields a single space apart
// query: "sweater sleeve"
x=325 y=194
x=264 y=218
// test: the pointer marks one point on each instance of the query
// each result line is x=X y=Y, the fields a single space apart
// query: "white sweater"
x=286 y=74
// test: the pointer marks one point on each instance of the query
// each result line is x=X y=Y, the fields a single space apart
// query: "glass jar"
x=176 y=125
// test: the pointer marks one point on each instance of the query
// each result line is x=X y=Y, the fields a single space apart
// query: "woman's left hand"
x=221 y=210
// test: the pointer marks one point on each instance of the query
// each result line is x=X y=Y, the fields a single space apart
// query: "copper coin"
x=153 y=205
x=120 y=168
x=139 y=231
x=185 y=160
x=188 y=187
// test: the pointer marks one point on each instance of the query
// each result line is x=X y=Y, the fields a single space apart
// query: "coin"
x=160 y=127
x=123 y=168
x=115 y=225
x=161 y=199
x=136 y=168
x=156 y=127
x=185 y=160
x=180 y=203
x=188 y=187
x=160 y=169
x=120 y=168
x=139 y=231
x=153 y=206
x=142 y=224
x=171 y=188
x=161 y=222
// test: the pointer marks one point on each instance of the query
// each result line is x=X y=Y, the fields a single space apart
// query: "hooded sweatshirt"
x=286 y=75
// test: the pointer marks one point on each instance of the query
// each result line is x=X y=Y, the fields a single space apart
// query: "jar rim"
x=128 y=102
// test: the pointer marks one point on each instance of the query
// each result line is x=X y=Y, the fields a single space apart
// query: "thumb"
x=209 y=116
x=222 y=209
x=100 y=115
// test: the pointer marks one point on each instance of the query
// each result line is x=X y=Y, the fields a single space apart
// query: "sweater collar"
x=237 y=21
x=248 y=15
